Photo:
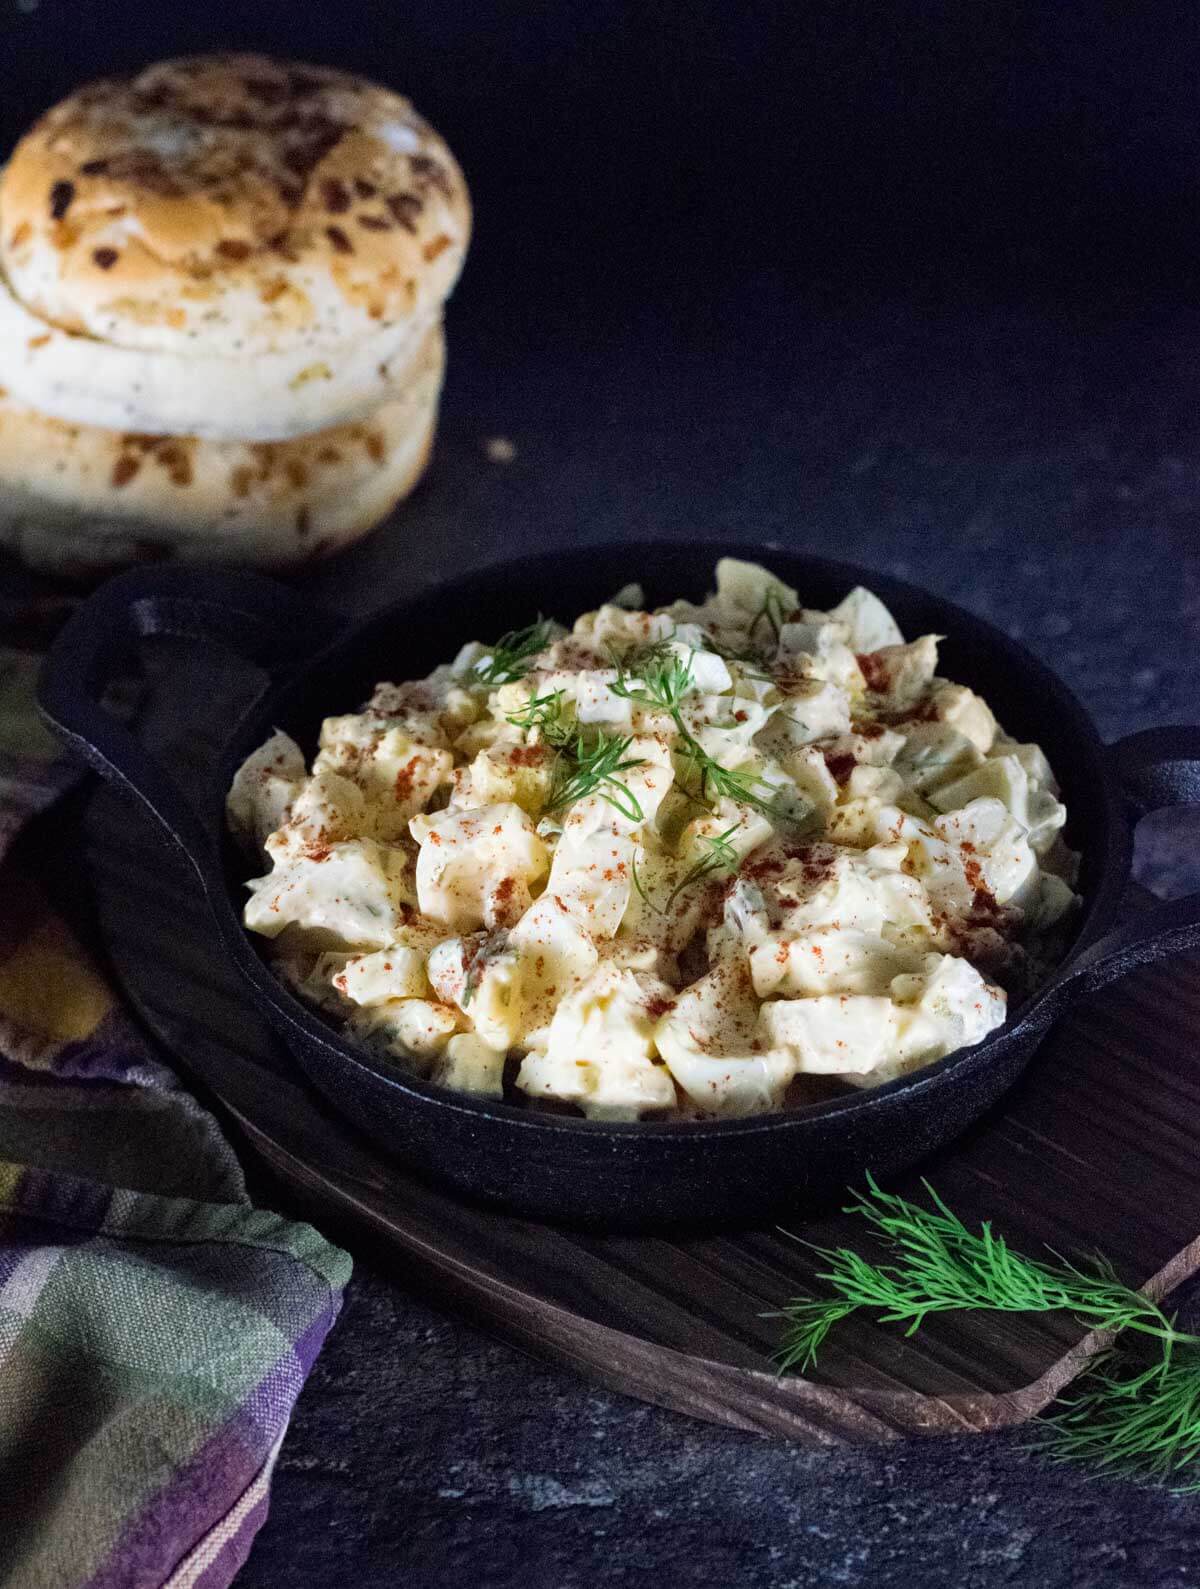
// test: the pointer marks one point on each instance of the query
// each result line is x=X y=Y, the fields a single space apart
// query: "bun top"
x=232 y=204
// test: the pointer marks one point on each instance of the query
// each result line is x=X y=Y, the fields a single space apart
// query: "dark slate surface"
x=423 y=1454
x=915 y=285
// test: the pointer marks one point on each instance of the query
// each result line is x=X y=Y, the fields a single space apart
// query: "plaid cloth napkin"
x=155 y=1329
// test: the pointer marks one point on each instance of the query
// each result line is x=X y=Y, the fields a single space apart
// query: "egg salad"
x=710 y=860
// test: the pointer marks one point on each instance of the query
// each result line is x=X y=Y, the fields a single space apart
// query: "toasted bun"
x=233 y=204
x=79 y=500
x=271 y=397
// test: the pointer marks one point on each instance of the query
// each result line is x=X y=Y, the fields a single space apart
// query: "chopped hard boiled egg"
x=264 y=788
x=599 y=1051
x=353 y=895
x=474 y=867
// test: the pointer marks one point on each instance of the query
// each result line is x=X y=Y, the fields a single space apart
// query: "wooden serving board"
x=1096 y=1149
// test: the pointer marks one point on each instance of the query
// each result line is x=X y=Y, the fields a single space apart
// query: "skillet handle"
x=1156 y=768
x=258 y=619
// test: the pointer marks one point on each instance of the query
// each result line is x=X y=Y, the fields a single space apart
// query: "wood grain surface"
x=1094 y=1150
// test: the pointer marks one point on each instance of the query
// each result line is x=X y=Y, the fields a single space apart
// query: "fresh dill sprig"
x=772 y=612
x=475 y=963
x=662 y=680
x=749 y=660
x=1136 y=1419
x=588 y=764
x=512 y=655
x=744 y=787
x=665 y=678
x=939 y=1265
x=640 y=889
x=719 y=856
x=546 y=713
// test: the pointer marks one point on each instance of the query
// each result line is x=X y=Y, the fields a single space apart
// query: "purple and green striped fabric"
x=155 y=1328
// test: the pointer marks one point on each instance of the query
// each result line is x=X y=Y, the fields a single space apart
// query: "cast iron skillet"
x=560 y=1167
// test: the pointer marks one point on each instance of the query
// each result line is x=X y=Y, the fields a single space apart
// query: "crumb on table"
x=498 y=449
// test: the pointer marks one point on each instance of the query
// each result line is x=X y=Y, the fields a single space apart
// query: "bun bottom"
x=77 y=501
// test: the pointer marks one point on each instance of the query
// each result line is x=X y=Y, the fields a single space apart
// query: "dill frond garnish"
x=483 y=946
x=588 y=764
x=546 y=713
x=662 y=681
x=640 y=889
x=750 y=660
x=718 y=855
x=587 y=761
x=716 y=782
x=512 y=655
x=1132 y=1417
x=654 y=677
x=1135 y=1421
x=772 y=612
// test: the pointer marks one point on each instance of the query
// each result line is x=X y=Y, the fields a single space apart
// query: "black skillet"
x=559 y=1167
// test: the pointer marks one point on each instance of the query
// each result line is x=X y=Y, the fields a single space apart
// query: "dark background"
x=682 y=146
x=914 y=284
